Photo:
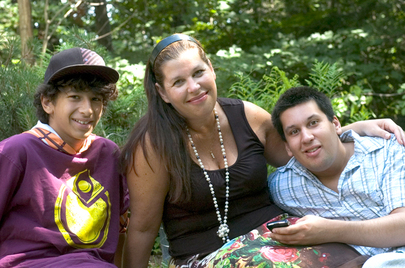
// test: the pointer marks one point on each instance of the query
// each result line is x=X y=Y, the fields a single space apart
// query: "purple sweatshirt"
x=56 y=209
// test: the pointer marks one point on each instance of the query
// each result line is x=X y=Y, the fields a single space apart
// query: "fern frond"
x=326 y=78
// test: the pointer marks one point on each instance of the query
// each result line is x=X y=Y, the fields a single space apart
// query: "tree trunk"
x=24 y=10
x=103 y=27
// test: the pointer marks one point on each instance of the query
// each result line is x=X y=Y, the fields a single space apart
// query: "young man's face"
x=74 y=114
x=311 y=137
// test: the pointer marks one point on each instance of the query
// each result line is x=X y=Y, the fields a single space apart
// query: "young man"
x=348 y=189
x=61 y=193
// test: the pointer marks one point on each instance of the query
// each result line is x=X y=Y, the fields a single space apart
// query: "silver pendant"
x=223 y=230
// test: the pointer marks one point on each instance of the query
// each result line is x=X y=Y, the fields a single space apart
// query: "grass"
x=155 y=261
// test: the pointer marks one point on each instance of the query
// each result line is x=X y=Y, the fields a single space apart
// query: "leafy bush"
x=123 y=113
x=349 y=106
x=17 y=86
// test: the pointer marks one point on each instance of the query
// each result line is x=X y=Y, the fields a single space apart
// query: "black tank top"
x=191 y=227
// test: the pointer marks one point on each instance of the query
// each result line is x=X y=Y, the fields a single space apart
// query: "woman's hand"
x=377 y=128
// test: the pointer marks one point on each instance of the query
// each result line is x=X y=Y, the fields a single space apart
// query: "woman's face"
x=189 y=85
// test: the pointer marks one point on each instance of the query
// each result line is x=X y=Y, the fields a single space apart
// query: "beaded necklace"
x=223 y=229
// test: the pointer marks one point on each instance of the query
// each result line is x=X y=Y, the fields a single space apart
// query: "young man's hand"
x=309 y=230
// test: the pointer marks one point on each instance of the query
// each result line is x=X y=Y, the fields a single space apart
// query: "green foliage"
x=8 y=17
x=16 y=96
x=131 y=104
x=18 y=83
x=349 y=106
x=264 y=92
x=325 y=77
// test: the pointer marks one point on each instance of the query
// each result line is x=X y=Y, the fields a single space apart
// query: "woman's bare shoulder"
x=259 y=120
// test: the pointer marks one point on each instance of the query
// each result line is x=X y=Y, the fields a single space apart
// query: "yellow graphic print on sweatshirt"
x=83 y=211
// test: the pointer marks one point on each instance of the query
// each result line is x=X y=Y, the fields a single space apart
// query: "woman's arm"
x=260 y=121
x=378 y=128
x=148 y=188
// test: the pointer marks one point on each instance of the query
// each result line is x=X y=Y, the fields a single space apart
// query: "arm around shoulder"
x=377 y=127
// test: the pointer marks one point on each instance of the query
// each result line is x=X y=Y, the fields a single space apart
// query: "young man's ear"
x=287 y=148
x=337 y=125
x=47 y=104
x=162 y=93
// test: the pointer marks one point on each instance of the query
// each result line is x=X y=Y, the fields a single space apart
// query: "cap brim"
x=104 y=72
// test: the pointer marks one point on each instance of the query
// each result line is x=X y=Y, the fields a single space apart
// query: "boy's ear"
x=162 y=93
x=287 y=148
x=47 y=104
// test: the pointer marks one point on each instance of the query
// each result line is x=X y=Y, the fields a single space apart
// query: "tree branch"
x=48 y=22
x=115 y=29
x=382 y=95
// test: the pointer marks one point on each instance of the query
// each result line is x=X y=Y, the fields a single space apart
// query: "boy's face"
x=311 y=138
x=74 y=114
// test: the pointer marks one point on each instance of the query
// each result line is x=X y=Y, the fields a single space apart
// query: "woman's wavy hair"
x=164 y=126
x=108 y=91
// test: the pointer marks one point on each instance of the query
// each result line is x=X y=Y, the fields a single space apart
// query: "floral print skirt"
x=256 y=249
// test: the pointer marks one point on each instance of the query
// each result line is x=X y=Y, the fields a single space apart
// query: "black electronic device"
x=277 y=224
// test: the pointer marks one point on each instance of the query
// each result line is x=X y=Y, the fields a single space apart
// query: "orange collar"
x=57 y=143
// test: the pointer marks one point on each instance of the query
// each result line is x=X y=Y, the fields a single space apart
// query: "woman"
x=199 y=164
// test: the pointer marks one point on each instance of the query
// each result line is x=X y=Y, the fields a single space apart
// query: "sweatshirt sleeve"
x=10 y=177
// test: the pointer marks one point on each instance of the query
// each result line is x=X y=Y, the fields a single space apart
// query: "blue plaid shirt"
x=371 y=185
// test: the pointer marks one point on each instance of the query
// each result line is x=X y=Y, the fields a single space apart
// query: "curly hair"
x=108 y=91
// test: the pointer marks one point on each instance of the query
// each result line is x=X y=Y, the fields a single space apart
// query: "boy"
x=351 y=188
x=61 y=194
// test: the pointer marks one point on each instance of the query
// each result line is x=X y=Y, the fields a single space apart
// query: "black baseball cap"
x=78 y=61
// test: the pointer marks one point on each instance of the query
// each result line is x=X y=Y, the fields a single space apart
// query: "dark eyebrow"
x=313 y=116
x=308 y=119
x=174 y=79
x=197 y=67
x=289 y=127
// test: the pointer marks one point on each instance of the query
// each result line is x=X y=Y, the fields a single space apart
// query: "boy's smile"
x=74 y=115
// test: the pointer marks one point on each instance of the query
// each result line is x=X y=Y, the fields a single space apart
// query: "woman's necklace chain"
x=223 y=230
